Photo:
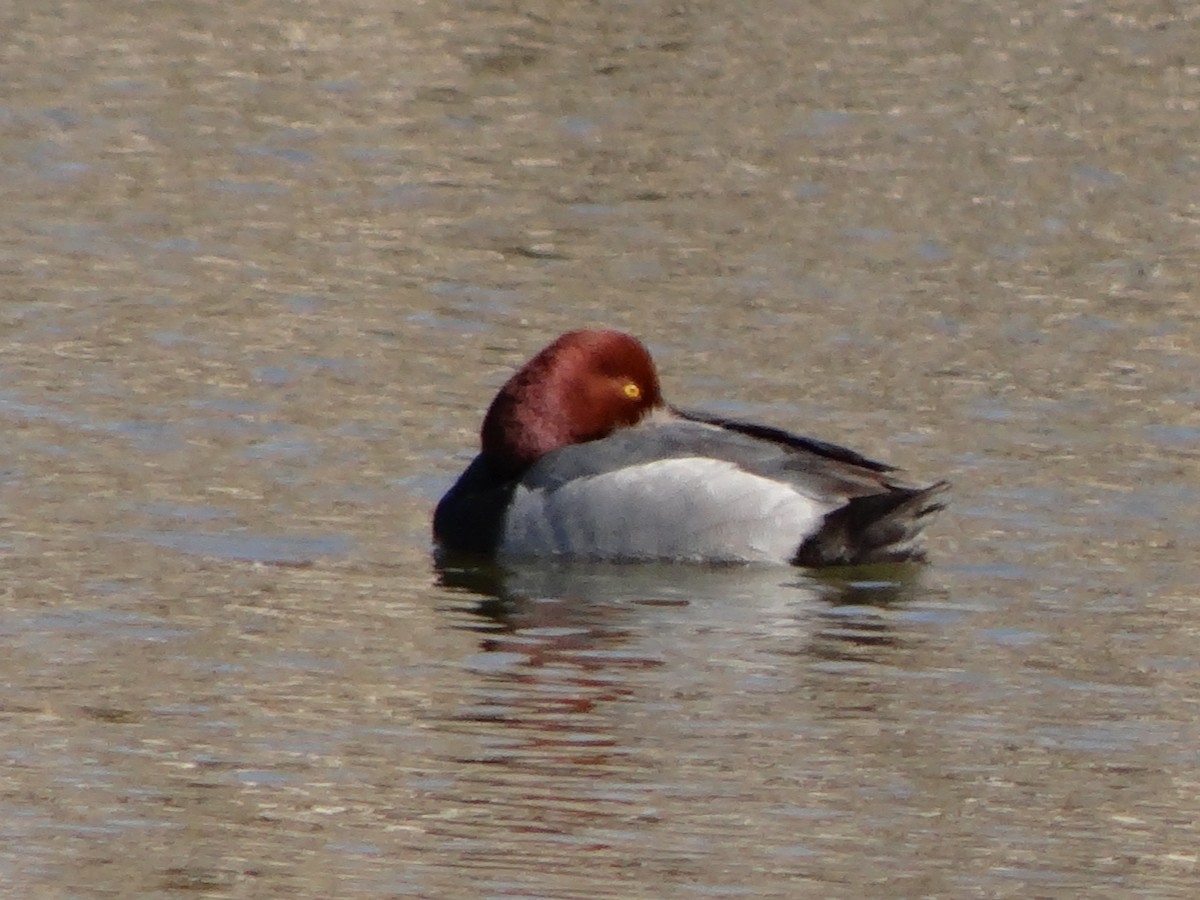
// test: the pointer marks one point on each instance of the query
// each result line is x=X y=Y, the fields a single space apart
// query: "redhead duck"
x=582 y=459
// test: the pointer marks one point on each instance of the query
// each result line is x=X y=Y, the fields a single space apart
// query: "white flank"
x=690 y=508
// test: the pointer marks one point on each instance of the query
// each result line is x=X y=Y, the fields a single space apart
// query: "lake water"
x=264 y=266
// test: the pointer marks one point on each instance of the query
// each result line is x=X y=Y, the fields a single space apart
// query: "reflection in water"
x=601 y=692
x=576 y=604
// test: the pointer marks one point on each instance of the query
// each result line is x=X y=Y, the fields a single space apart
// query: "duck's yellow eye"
x=631 y=390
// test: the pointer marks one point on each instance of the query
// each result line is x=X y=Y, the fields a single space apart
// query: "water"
x=265 y=266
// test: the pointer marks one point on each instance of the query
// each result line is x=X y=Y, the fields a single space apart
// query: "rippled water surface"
x=264 y=265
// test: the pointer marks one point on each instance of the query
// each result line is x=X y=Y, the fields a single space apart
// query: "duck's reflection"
x=599 y=688
x=589 y=621
x=591 y=599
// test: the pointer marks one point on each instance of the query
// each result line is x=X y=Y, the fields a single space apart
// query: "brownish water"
x=265 y=263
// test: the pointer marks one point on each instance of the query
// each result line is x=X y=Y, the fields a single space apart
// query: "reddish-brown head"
x=580 y=388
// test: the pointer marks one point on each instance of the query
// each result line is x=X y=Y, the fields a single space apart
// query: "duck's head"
x=580 y=388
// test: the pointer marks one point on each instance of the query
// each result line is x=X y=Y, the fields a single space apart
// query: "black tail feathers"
x=878 y=528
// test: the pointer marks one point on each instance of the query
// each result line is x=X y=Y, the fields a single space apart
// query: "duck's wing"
x=686 y=488
x=878 y=516
x=787 y=439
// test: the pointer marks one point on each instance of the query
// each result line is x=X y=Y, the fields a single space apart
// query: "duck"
x=580 y=458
